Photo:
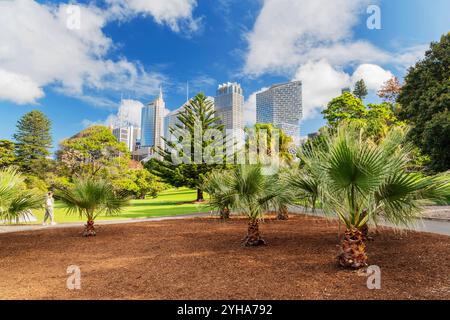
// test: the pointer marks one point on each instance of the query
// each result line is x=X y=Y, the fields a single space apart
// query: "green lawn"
x=169 y=203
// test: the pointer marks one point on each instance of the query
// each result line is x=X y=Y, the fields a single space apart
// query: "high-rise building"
x=229 y=105
x=281 y=105
x=128 y=135
x=152 y=123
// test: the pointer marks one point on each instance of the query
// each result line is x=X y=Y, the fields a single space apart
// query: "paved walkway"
x=439 y=225
x=30 y=227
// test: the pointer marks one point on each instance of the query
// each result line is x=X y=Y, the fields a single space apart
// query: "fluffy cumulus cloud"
x=320 y=83
x=177 y=14
x=129 y=113
x=44 y=45
x=374 y=76
x=313 y=41
x=18 y=88
x=287 y=33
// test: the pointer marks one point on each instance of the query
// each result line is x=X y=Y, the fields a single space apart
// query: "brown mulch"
x=203 y=259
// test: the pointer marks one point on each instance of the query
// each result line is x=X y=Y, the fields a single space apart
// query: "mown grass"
x=168 y=203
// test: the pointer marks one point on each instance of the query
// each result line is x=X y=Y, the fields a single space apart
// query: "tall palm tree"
x=90 y=197
x=363 y=181
x=247 y=190
x=15 y=200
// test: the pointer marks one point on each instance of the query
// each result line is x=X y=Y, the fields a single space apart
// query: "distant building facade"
x=229 y=105
x=128 y=135
x=152 y=123
x=281 y=105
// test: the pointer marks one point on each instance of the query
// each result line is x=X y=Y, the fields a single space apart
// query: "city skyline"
x=78 y=76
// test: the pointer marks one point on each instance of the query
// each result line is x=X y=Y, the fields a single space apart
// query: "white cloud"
x=312 y=41
x=250 y=108
x=18 y=88
x=288 y=33
x=177 y=14
x=38 y=50
x=374 y=76
x=129 y=113
x=320 y=83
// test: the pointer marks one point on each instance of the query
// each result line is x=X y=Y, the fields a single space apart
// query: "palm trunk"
x=225 y=213
x=283 y=213
x=199 y=195
x=253 y=237
x=353 y=250
x=89 y=229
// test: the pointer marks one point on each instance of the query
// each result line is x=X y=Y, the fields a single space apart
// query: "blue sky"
x=78 y=76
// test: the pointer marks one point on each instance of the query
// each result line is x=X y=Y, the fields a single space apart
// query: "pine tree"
x=360 y=89
x=198 y=113
x=33 y=139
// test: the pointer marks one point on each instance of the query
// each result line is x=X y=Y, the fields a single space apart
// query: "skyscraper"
x=229 y=105
x=281 y=105
x=152 y=123
x=171 y=120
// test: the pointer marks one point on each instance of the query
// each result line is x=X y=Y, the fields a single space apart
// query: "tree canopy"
x=197 y=117
x=93 y=151
x=360 y=89
x=33 y=139
x=425 y=103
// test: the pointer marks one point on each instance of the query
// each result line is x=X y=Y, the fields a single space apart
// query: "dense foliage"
x=197 y=117
x=425 y=104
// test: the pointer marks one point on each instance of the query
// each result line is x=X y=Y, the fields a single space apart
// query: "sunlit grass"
x=169 y=203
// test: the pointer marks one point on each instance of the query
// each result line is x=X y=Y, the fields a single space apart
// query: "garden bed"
x=203 y=258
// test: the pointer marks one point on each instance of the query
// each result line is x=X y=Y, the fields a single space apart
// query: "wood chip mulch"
x=202 y=258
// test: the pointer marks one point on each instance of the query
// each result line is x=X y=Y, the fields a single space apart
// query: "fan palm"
x=247 y=190
x=361 y=181
x=90 y=197
x=15 y=200
x=217 y=185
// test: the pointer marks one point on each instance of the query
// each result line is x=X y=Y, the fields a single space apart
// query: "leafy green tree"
x=33 y=139
x=360 y=90
x=376 y=118
x=197 y=117
x=285 y=142
x=93 y=152
x=436 y=138
x=138 y=183
x=15 y=199
x=90 y=197
x=7 y=156
x=343 y=108
x=425 y=103
x=360 y=181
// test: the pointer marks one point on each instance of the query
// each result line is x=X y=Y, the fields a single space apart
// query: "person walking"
x=49 y=211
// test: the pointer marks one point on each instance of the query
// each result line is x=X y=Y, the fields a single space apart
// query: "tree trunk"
x=89 y=229
x=353 y=250
x=253 y=237
x=283 y=213
x=225 y=213
x=200 y=195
